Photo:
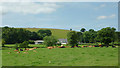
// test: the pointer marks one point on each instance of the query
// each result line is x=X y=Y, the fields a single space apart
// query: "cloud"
x=29 y=7
x=106 y=17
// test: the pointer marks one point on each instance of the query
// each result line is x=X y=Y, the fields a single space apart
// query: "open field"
x=59 y=33
x=94 y=56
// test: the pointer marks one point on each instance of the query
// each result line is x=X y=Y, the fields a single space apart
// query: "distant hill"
x=59 y=33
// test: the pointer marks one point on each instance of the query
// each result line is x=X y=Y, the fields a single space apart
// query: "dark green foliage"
x=80 y=36
x=86 y=36
x=83 y=30
x=117 y=36
x=16 y=46
x=19 y=35
x=43 y=33
x=72 y=38
x=3 y=42
x=106 y=35
x=50 y=40
x=24 y=44
x=34 y=36
x=70 y=29
x=31 y=42
x=12 y=35
x=93 y=35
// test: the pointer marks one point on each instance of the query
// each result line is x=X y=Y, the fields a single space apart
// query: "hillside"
x=59 y=33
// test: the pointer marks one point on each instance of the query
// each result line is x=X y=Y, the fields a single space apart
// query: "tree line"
x=19 y=35
x=105 y=36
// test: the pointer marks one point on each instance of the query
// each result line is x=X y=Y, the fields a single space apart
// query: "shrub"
x=24 y=44
x=3 y=42
x=50 y=40
x=16 y=46
x=31 y=42
x=72 y=38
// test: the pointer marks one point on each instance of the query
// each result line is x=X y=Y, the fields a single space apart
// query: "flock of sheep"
x=51 y=47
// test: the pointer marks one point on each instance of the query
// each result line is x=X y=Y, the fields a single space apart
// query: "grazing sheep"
x=90 y=46
x=82 y=46
x=54 y=46
x=15 y=50
x=18 y=52
x=100 y=45
x=26 y=49
x=35 y=48
x=25 y=52
x=49 y=47
x=66 y=46
x=9 y=52
x=30 y=49
x=59 y=46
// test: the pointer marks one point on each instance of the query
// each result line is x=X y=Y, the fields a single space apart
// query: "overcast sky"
x=60 y=15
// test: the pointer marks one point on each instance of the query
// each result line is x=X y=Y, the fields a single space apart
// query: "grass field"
x=59 y=33
x=94 y=56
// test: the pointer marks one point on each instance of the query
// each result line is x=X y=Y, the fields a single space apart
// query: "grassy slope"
x=59 y=33
x=62 y=57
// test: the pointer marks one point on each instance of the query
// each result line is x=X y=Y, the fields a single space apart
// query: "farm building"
x=63 y=41
x=38 y=41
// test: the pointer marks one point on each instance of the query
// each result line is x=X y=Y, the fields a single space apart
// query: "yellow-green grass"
x=94 y=56
x=59 y=33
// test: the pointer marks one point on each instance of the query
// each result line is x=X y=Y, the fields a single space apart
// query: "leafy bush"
x=3 y=42
x=16 y=46
x=31 y=42
x=24 y=44
x=50 y=40
x=72 y=38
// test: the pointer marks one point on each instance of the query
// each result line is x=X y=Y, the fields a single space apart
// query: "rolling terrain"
x=58 y=33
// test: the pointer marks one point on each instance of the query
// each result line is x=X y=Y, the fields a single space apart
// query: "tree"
x=93 y=35
x=24 y=44
x=16 y=46
x=80 y=36
x=70 y=29
x=14 y=35
x=86 y=36
x=117 y=36
x=83 y=30
x=106 y=35
x=72 y=38
x=91 y=30
x=34 y=36
x=43 y=33
x=3 y=42
x=50 y=40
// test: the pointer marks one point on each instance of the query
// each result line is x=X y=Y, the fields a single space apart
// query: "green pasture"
x=94 y=56
x=59 y=33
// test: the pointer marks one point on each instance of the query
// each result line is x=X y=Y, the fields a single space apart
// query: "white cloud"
x=106 y=17
x=29 y=7
x=102 y=17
